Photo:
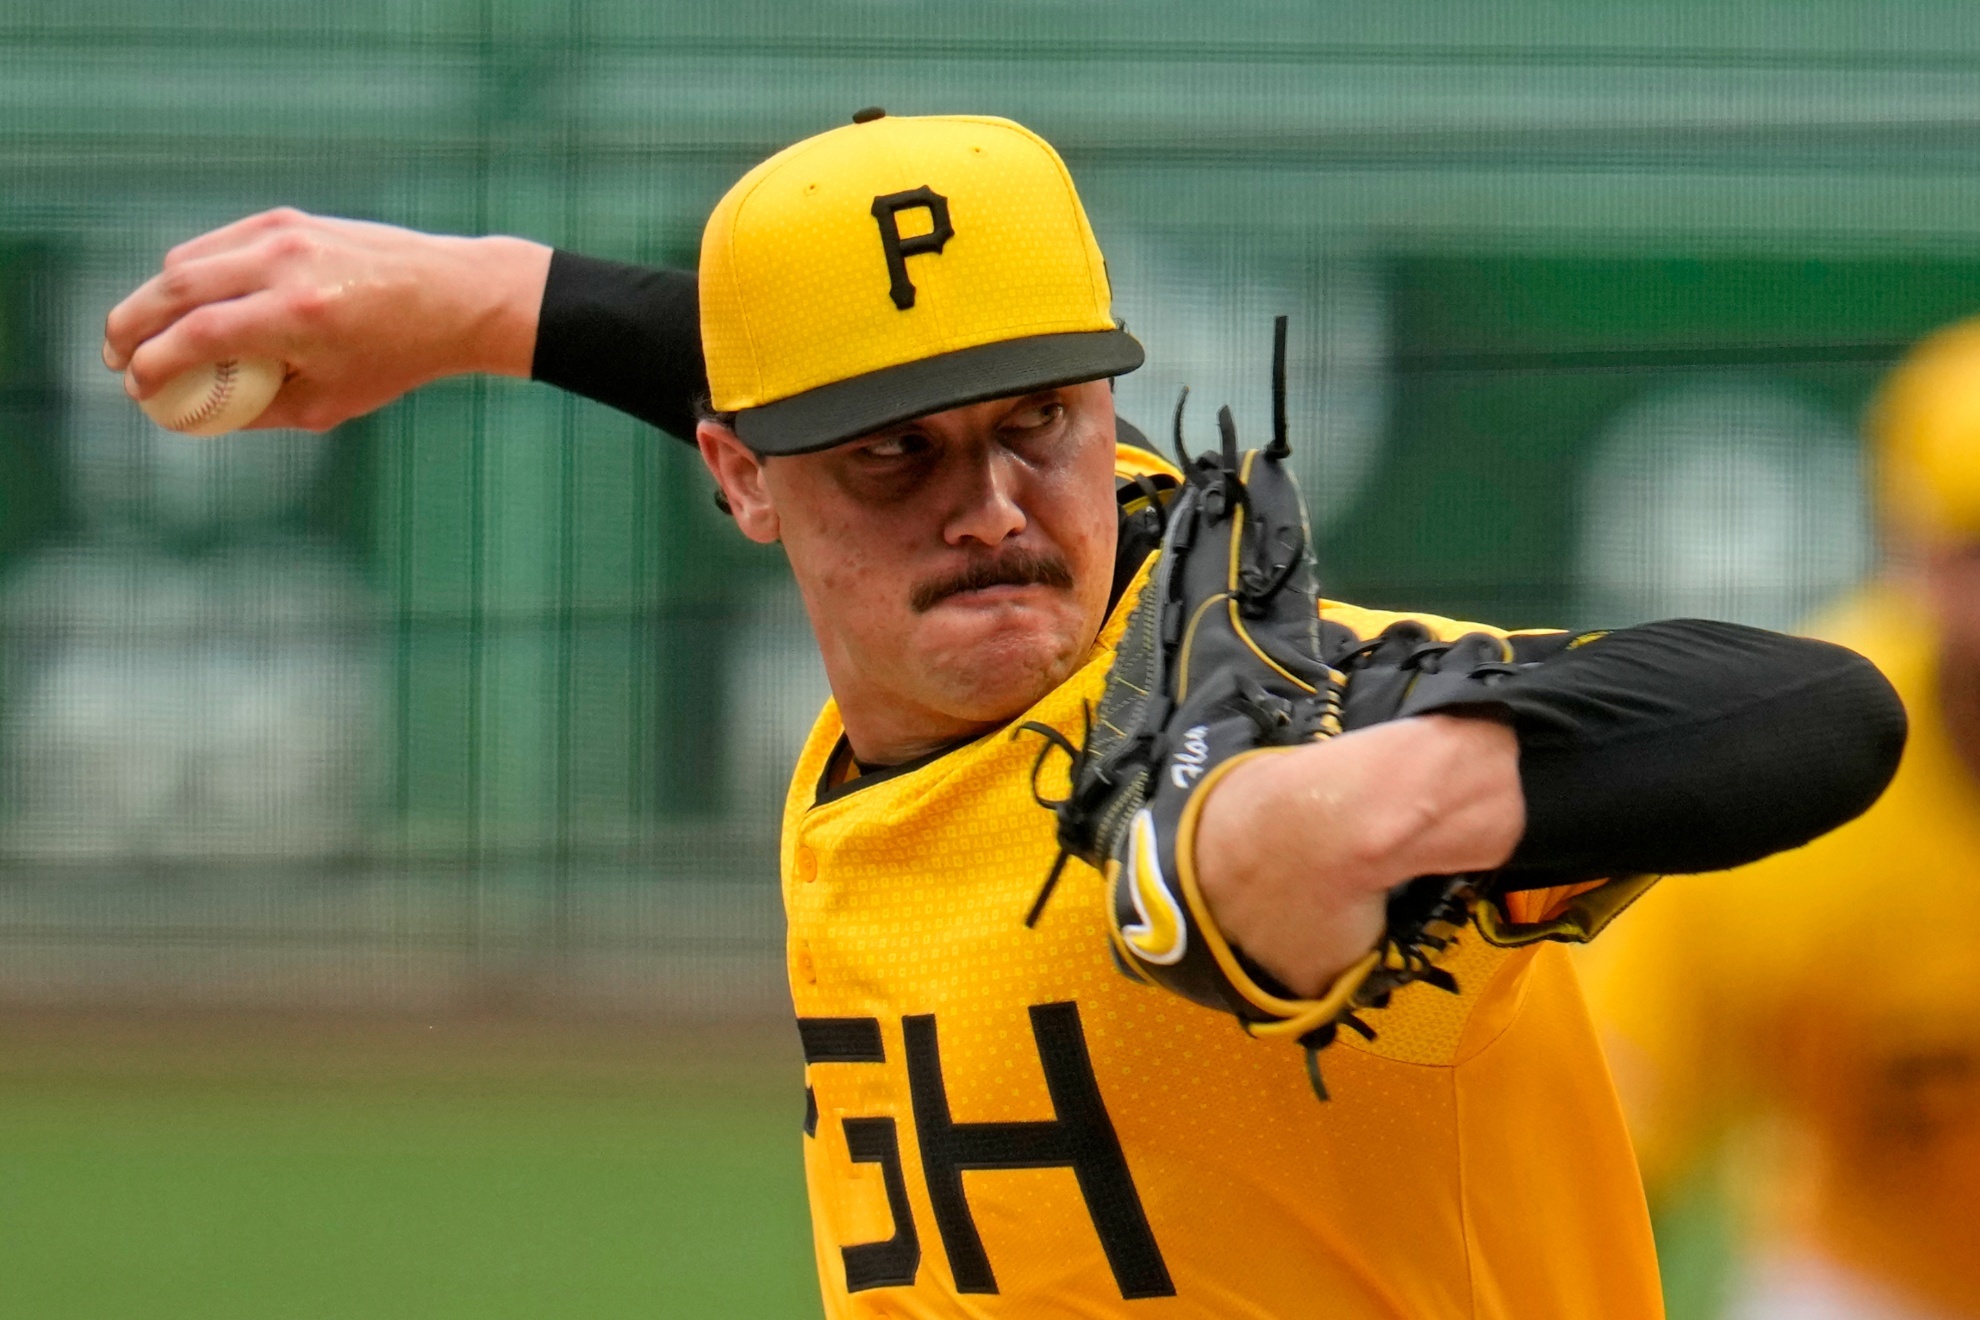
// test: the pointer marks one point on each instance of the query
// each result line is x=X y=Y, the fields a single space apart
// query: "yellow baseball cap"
x=896 y=267
x=1925 y=424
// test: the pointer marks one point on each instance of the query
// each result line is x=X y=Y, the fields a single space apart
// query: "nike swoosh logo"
x=1162 y=936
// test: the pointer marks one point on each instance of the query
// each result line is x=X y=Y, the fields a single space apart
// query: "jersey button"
x=807 y=970
x=807 y=864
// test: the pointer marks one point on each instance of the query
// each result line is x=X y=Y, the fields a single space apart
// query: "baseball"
x=216 y=398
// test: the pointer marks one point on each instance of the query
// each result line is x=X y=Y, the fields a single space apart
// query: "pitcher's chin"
x=1003 y=669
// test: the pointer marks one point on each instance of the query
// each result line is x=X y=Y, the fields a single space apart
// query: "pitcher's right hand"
x=360 y=313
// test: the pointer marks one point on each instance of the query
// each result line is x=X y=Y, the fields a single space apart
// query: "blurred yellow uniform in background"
x=1836 y=987
x=1815 y=1018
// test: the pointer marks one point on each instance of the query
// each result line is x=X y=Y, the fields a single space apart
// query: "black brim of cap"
x=847 y=409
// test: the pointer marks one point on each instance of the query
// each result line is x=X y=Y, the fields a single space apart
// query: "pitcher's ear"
x=739 y=488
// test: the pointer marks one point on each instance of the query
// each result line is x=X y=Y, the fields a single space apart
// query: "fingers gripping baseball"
x=358 y=313
x=180 y=288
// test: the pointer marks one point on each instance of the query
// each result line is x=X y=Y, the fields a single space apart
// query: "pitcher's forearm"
x=1296 y=853
x=498 y=326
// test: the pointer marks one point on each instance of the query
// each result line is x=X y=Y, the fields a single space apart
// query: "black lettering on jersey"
x=895 y=1262
x=886 y=211
x=836 y=1040
x=841 y=1040
x=1080 y=1136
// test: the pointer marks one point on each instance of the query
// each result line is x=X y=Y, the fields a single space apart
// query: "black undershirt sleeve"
x=627 y=336
x=1690 y=745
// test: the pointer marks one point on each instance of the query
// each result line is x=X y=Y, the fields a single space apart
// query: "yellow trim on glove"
x=1188 y=637
x=1232 y=570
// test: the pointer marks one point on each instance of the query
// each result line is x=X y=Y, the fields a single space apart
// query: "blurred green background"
x=467 y=723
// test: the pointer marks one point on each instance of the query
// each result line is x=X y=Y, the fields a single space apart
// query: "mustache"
x=1016 y=568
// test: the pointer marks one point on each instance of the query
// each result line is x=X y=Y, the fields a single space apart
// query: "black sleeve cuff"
x=1689 y=746
x=627 y=336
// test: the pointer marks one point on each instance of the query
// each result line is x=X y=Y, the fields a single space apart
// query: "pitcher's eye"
x=896 y=446
x=1035 y=418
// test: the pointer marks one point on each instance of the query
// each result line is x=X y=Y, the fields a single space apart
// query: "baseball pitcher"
x=1164 y=939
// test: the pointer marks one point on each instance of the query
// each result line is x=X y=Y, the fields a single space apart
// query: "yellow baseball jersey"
x=1000 y=1123
x=1836 y=987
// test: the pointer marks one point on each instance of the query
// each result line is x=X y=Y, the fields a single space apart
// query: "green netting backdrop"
x=479 y=701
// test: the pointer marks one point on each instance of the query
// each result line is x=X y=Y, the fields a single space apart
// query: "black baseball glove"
x=1222 y=659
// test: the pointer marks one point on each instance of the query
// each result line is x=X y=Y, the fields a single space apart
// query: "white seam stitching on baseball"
x=223 y=389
